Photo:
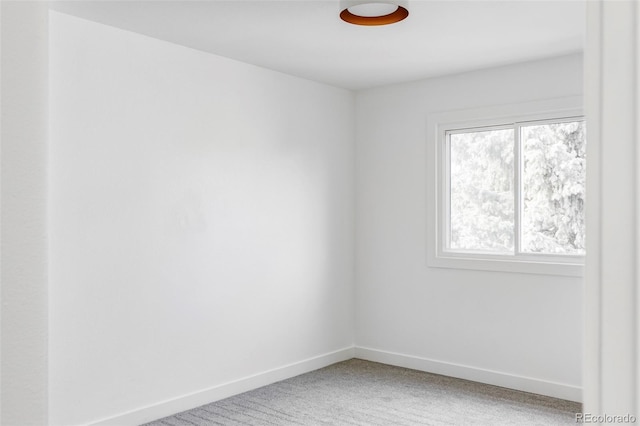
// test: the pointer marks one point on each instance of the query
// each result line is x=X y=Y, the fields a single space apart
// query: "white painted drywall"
x=201 y=219
x=612 y=300
x=515 y=324
x=24 y=135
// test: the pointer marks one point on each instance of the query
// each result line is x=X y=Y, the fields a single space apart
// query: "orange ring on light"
x=397 y=16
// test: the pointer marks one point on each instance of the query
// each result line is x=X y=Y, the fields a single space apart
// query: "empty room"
x=312 y=212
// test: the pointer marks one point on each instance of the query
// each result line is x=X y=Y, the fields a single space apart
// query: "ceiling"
x=306 y=38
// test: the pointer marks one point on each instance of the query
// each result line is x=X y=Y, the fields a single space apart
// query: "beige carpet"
x=363 y=393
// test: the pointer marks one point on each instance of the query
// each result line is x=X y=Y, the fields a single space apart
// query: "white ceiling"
x=306 y=38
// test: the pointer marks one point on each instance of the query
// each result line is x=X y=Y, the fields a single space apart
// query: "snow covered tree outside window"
x=481 y=190
x=553 y=188
x=517 y=188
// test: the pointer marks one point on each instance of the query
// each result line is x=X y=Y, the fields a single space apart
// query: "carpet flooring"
x=363 y=393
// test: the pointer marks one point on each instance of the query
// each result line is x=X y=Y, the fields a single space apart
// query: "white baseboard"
x=511 y=381
x=225 y=390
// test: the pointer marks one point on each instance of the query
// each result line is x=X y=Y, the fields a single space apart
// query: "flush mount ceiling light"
x=373 y=12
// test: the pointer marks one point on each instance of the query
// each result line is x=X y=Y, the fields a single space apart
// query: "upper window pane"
x=553 y=185
x=481 y=191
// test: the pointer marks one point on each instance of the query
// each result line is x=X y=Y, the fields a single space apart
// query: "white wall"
x=24 y=132
x=612 y=299
x=528 y=326
x=201 y=220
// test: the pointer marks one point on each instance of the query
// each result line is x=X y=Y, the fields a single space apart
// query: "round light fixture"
x=372 y=12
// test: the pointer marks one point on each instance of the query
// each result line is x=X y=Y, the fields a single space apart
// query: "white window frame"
x=496 y=117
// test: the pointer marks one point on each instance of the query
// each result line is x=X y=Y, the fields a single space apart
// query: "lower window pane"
x=553 y=182
x=481 y=191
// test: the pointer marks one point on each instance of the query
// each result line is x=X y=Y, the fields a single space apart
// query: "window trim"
x=551 y=110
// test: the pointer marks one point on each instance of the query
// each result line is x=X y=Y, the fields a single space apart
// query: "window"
x=509 y=191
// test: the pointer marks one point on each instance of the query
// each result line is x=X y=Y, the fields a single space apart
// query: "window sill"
x=460 y=261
